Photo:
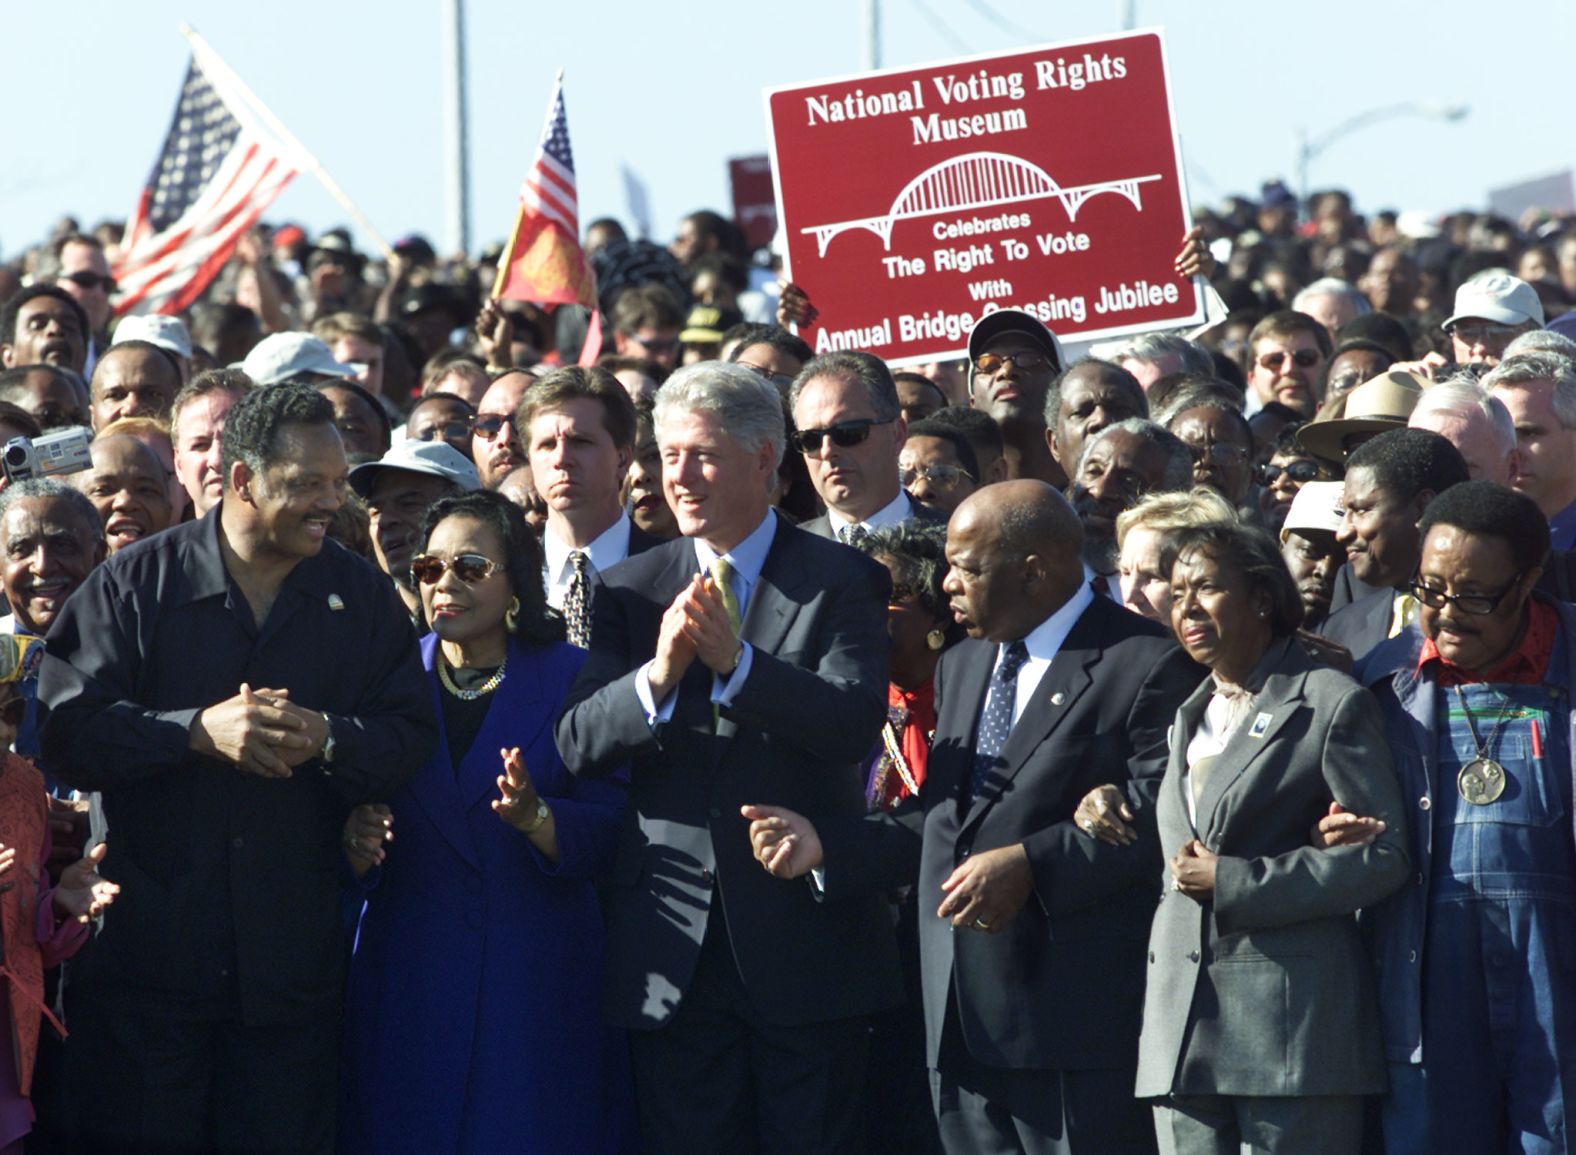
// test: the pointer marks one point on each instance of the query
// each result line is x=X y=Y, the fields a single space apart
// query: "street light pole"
x=872 y=34
x=1308 y=150
x=456 y=166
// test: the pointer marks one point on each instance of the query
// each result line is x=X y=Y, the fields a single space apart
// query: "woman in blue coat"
x=473 y=1011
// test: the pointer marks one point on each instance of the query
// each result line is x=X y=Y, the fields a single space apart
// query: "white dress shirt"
x=1043 y=643
x=610 y=548
x=894 y=512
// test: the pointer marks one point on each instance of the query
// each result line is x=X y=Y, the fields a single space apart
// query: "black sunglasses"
x=488 y=424
x=844 y=435
x=87 y=280
x=1301 y=472
x=470 y=568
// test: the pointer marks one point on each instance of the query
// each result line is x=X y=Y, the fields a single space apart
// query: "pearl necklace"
x=480 y=691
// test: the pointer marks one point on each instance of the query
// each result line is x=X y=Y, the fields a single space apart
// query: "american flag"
x=217 y=173
x=544 y=262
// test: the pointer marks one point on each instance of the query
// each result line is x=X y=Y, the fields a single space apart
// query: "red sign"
x=754 y=205
x=915 y=201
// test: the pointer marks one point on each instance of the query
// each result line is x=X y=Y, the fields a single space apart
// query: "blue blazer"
x=473 y=1009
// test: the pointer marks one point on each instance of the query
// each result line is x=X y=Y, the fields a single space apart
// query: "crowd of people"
x=423 y=737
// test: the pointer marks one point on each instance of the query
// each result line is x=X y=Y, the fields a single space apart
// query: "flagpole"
x=309 y=162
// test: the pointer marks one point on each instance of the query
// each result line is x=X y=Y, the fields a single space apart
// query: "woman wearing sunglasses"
x=473 y=1008
x=1289 y=468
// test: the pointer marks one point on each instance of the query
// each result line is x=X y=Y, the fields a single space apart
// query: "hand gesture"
x=495 y=334
x=784 y=842
x=251 y=249
x=1340 y=827
x=68 y=834
x=366 y=830
x=1193 y=871
x=7 y=860
x=1104 y=814
x=794 y=307
x=1194 y=258
x=518 y=799
x=709 y=628
x=988 y=889
x=254 y=732
x=675 y=650
x=83 y=893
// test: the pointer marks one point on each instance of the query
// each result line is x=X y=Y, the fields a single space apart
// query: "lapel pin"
x=335 y=602
x=1058 y=698
x=1260 y=727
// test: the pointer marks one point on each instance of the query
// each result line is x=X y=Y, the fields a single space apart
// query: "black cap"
x=1014 y=321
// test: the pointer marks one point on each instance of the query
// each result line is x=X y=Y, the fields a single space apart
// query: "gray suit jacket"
x=1267 y=990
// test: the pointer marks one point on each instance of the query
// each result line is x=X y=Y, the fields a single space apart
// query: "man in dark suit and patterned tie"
x=850 y=428
x=745 y=661
x=1031 y=939
x=578 y=425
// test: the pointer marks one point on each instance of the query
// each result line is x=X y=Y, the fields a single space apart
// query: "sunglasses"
x=658 y=344
x=941 y=476
x=448 y=431
x=1476 y=333
x=1299 y=471
x=1475 y=604
x=86 y=280
x=990 y=363
x=1304 y=359
x=488 y=424
x=470 y=568
x=844 y=435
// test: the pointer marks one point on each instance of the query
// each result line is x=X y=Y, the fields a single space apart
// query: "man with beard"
x=1119 y=465
x=495 y=438
x=43 y=323
x=1287 y=352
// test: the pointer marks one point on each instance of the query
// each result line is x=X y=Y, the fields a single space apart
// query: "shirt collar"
x=1527 y=664
x=610 y=547
x=894 y=512
x=747 y=558
x=1045 y=641
x=207 y=576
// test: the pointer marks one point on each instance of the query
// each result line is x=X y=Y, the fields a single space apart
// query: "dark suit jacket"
x=1347 y=589
x=1267 y=990
x=640 y=541
x=1363 y=624
x=822 y=526
x=809 y=712
x=1062 y=986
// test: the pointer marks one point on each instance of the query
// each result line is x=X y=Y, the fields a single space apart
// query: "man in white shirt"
x=849 y=427
x=578 y=425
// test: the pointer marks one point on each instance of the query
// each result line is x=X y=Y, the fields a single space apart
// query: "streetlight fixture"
x=1310 y=148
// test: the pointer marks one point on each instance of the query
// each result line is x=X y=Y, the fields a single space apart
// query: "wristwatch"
x=328 y=743
x=542 y=815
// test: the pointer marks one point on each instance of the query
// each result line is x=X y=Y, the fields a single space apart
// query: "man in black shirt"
x=233 y=686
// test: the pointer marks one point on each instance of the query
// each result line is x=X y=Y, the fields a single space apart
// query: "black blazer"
x=822 y=526
x=1062 y=987
x=809 y=712
x=1363 y=624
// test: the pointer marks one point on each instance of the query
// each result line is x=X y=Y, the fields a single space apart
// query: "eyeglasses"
x=1219 y=452
x=844 y=435
x=1480 y=332
x=87 y=280
x=1300 y=472
x=991 y=363
x=941 y=476
x=1303 y=358
x=1476 y=604
x=657 y=344
x=488 y=424
x=470 y=568
x=448 y=431
x=781 y=380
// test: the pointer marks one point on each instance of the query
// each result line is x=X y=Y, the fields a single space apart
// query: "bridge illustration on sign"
x=979 y=180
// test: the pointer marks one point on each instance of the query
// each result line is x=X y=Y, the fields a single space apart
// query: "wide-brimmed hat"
x=1378 y=404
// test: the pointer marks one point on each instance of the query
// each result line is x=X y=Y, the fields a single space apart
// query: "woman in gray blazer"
x=1260 y=1028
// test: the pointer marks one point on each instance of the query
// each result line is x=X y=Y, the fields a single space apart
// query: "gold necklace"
x=480 y=691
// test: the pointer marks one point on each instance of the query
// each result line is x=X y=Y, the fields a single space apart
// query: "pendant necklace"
x=1482 y=780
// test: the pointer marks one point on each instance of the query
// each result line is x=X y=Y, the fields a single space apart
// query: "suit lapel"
x=1277 y=702
x=516 y=705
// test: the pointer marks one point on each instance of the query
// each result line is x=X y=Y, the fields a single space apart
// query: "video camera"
x=63 y=451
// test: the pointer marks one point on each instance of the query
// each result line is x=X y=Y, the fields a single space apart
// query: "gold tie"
x=1405 y=614
x=722 y=582
x=722 y=579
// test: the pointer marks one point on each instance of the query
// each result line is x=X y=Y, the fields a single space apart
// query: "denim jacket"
x=1395 y=928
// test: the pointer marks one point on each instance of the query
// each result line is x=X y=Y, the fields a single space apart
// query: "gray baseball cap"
x=278 y=358
x=432 y=458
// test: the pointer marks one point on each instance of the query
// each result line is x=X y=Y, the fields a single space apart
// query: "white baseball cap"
x=1497 y=297
x=278 y=358
x=432 y=458
x=168 y=333
x=1317 y=506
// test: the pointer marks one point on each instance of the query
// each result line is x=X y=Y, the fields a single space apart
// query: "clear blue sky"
x=673 y=90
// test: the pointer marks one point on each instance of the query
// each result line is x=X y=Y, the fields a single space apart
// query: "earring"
x=936 y=639
x=511 y=616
